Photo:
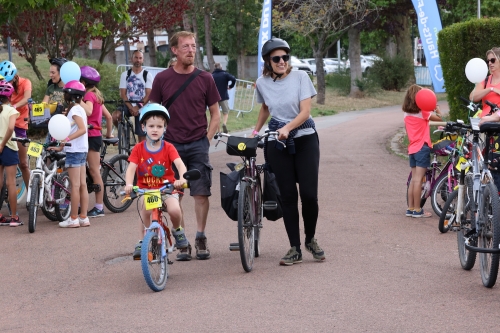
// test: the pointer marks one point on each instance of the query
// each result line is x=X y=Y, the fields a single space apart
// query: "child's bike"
x=157 y=242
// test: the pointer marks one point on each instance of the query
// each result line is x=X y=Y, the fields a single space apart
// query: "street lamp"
x=478 y=8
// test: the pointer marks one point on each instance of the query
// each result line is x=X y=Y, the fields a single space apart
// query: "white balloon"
x=59 y=127
x=476 y=70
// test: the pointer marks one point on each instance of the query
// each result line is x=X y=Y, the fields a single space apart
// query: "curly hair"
x=409 y=104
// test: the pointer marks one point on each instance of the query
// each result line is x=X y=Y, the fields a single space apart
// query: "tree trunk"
x=152 y=48
x=240 y=63
x=112 y=56
x=355 y=61
x=404 y=42
x=32 y=61
x=186 y=22
x=390 y=47
x=208 y=37
x=198 y=62
x=241 y=54
x=320 y=77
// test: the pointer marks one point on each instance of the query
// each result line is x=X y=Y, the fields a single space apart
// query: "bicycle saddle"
x=490 y=128
x=110 y=141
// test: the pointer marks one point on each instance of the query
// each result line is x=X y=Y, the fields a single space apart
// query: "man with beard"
x=189 y=130
x=135 y=85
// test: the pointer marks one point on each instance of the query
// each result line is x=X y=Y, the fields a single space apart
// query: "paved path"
x=383 y=273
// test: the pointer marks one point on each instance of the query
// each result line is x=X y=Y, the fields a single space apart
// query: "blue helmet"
x=155 y=109
x=8 y=70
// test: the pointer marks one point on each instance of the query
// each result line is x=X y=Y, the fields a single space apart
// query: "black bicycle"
x=126 y=135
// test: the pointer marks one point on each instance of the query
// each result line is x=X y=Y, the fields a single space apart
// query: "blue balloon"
x=70 y=71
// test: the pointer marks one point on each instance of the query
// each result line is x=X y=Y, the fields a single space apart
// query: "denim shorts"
x=422 y=158
x=75 y=160
x=9 y=157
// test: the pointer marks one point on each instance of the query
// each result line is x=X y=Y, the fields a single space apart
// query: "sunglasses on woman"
x=276 y=59
x=492 y=60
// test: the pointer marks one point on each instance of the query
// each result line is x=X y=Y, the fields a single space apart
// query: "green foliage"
x=162 y=59
x=458 y=44
x=368 y=85
x=341 y=82
x=392 y=73
x=232 y=67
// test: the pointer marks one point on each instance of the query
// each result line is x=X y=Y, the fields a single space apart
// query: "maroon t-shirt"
x=188 y=118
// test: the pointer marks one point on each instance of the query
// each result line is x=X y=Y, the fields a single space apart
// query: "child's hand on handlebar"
x=179 y=183
x=128 y=189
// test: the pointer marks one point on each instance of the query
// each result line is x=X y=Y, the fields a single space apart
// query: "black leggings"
x=302 y=168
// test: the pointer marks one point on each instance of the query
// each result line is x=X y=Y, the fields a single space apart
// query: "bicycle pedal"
x=234 y=247
x=270 y=205
x=169 y=262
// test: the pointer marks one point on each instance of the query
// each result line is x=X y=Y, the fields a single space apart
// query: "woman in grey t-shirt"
x=286 y=97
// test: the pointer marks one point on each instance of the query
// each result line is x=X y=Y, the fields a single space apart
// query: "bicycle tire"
x=131 y=139
x=113 y=184
x=467 y=258
x=246 y=229
x=154 y=268
x=489 y=236
x=449 y=213
x=258 y=222
x=422 y=199
x=122 y=143
x=63 y=210
x=35 y=192
x=440 y=193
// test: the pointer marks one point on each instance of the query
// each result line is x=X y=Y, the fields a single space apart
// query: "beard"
x=186 y=62
x=137 y=64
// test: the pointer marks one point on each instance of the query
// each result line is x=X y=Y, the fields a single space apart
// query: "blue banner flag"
x=429 y=24
x=264 y=32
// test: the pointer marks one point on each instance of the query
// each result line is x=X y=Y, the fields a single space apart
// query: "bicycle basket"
x=440 y=147
x=40 y=114
x=238 y=146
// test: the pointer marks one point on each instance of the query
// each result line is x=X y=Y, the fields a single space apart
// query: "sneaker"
x=15 y=222
x=409 y=212
x=291 y=257
x=316 y=251
x=184 y=254
x=84 y=222
x=137 y=251
x=224 y=128
x=94 y=212
x=202 y=251
x=421 y=214
x=180 y=238
x=70 y=223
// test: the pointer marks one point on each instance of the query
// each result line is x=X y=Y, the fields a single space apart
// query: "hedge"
x=457 y=44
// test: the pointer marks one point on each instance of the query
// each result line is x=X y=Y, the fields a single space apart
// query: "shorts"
x=9 y=157
x=138 y=128
x=95 y=143
x=224 y=106
x=422 y=158
x=195 y=156
x=20 y=132
x=75 y=160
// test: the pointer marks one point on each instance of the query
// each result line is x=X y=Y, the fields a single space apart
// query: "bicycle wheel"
x=35 y=192
x=123 y=142
x=467 y=258
x=489 y=236
x=131 y=138
x=258 y=221
x=113 y=178
x=154 y=267
x=62 y=194
x=423 y=199
x=246 y=229
x=449 y=215
x=440 y=193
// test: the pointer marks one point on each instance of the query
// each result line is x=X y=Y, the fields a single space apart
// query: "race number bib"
x=459 y=164
x=35 y=149
x=38 y=110
x=152 y=200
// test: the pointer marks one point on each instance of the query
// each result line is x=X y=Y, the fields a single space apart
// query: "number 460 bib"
x=152 y=200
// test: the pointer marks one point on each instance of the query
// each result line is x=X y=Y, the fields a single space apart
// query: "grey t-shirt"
x=283 y=97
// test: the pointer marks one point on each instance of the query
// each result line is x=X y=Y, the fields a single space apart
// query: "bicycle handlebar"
x=25 y=141
x=267 y=134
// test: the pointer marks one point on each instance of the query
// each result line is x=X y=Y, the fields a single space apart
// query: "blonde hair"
x=409 y=104
x=495 y=51
x=174 y=41
x=171 y=62
x=98 y=94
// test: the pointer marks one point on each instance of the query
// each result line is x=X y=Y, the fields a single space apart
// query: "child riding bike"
x=419 y=149
x=151 y=160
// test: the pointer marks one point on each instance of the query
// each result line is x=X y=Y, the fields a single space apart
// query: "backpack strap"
x=486 y=81
x=145 y=75
x=129 y=72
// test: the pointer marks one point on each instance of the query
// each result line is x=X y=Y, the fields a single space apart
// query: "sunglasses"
x=276 y=59
x=492 y=60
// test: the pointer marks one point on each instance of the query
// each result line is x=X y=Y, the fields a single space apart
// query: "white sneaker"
x=70 y=223
x=84 y=222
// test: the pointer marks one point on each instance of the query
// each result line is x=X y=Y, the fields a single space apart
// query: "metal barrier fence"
x=423 y=76
x=242 y=97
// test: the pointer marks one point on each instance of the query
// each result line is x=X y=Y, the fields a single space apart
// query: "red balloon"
x=426 y=100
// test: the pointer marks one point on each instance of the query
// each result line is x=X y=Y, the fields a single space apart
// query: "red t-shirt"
x=188 y=117
x=154 y=167
x=22 y=86
x=493 y=97
x=96 y=117
x=418 y=130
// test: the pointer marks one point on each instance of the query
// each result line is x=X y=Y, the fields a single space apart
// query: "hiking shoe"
x=84 y=222
x=316 y=251
x=184 y=254
x=70 y=223
x=94 y=212
x=202 y=251
x=137 y=251
x=409 y=212
x=180 y=238
x=15 y=221
x=224 y=128
x=291 y=257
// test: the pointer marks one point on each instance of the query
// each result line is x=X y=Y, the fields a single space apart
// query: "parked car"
x=366 y=62
x=312 y=63
x=299 y=65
